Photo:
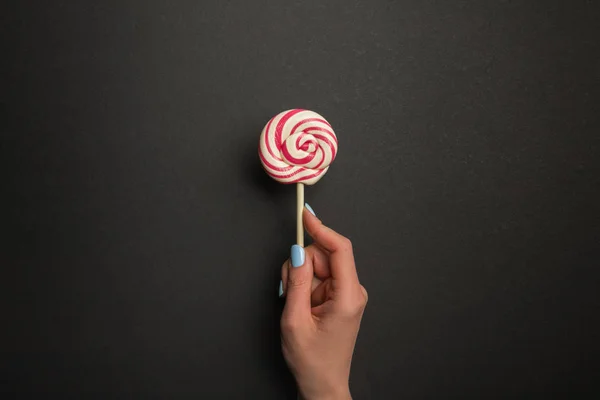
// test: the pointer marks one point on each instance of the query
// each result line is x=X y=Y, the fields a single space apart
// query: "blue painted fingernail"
x=280 y=288
x=297 y=256
x=309 y=208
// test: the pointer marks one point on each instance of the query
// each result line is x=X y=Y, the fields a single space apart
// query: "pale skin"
x=324 y=304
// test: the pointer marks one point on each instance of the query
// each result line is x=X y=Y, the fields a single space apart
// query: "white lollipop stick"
x=299 y=211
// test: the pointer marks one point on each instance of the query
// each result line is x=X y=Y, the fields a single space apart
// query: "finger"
x=325 y=237
x=341 y=258
x=284 y=277
x=316 y=281
x=299 y=286
x=315 y=284
x=320 y=261
x=320 y=293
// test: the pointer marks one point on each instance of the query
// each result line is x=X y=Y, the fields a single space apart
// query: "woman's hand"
x=323 y=308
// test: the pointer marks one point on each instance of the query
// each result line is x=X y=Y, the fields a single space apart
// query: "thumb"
x=299 y=284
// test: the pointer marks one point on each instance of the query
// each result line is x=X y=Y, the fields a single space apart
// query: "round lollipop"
x=297 y=146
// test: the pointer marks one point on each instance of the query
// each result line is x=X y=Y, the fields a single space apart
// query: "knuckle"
x=351 y=310
x=288 y=324
x=296 y=281
x=355 y=306
x=359 y=305
x=292 y=326
x=365 y=295
x=346 y=244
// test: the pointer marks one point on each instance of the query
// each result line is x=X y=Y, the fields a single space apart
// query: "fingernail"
x=280 y=288
x=297 y=256
x=309 y=208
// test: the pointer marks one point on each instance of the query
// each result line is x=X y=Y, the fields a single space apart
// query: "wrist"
x=338 y=392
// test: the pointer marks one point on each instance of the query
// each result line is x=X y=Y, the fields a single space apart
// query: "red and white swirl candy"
x=297 y=146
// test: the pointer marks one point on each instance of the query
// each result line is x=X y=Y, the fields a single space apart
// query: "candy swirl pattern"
x=297 y=146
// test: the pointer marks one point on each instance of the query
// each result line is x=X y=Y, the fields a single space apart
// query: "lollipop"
x=297 y=146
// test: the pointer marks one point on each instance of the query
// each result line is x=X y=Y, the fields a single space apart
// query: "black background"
x=142 y=241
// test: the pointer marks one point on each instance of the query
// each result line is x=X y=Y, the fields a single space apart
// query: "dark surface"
x=142 y=242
